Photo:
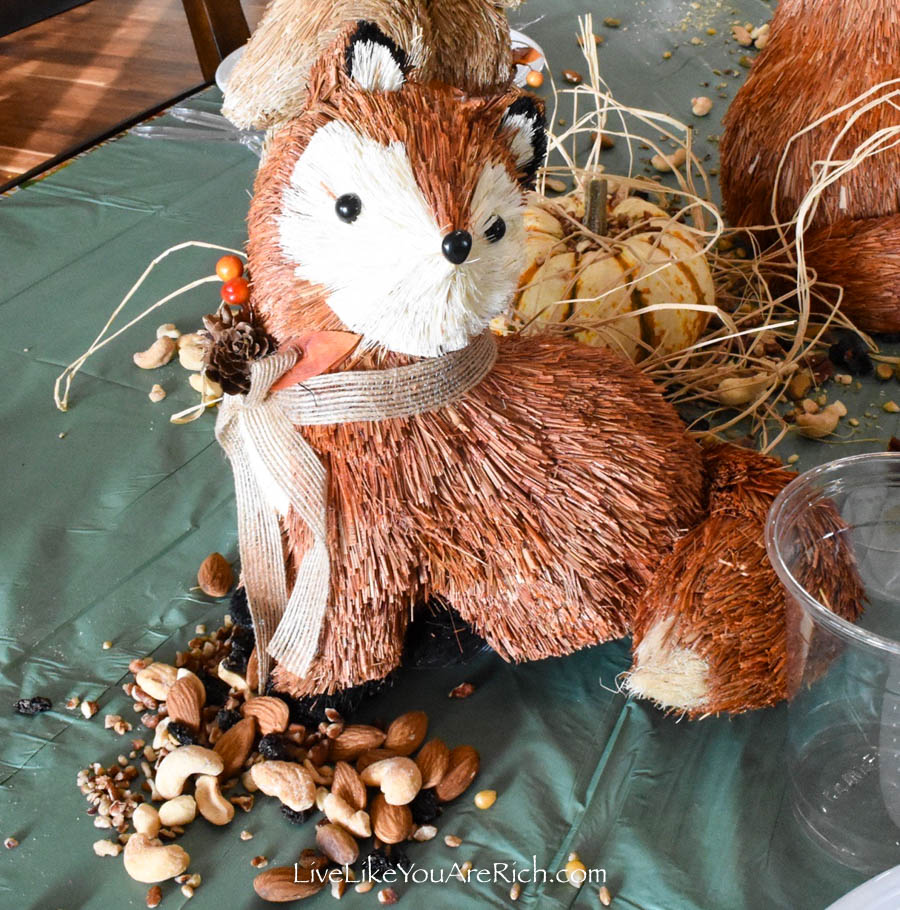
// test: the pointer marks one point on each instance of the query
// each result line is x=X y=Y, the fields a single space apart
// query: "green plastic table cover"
x=108 y=509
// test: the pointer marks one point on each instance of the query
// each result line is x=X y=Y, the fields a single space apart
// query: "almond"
x=355 y=739
x=185 y=700
x=337 y=844
x=433 y=761
x=287 y=781
x=215 y=575
x=372 y=756
x=271 y=713
x=252 y=672
x=285 y=883
x=391 y=824
x=461 y=772
x=407 y=733
x=348 y=785
x=235 y=745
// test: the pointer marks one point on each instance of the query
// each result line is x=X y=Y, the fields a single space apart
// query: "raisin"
x=182 y=732
x=850 y=352
x=424 y=807
x=295 y=817
x=226 y=719
x=216 y=690
x=276 y=748
x=31 y=706
x=239 y=609
x=378 y=862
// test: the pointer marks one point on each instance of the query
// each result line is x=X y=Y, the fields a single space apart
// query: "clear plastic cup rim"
x=842 y=627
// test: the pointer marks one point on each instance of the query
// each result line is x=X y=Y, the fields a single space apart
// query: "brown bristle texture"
x=718 y=597
x=464 y=43
x=819 y=57
x=538 y=506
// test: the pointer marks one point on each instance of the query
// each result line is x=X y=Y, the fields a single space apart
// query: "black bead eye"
x=348 y=207
x=496 y=229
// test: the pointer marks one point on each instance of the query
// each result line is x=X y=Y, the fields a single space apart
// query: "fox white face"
x=397 y=267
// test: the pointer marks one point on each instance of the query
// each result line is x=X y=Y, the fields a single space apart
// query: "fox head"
x=391 y=208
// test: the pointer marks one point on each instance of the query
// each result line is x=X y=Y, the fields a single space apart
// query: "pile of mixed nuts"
x=216 y=744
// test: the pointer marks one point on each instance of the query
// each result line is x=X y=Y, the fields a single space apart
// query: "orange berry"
x=535 y=78
x=236 y=291
x=229 y=267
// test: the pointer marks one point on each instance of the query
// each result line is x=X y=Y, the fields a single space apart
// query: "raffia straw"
x=749 y=310
x=68 y=374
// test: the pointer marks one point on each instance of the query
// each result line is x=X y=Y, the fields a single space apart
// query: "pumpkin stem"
x=595 y=207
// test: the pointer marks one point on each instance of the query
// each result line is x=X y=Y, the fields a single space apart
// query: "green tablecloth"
x=108 y=510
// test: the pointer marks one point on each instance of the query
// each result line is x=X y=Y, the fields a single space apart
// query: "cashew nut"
x=146 y=820
x=156 y=680
x=180 y=764
x=191 y=351
x=340 y=812
x=158 y=354
x=207 y=387
x=665 y=163
x=179 y=811
x=146 y=860
x=701 y=106
x=737 y=390
x=821 y=424
x=398 y=778
x=233 y=679
x=212 y=805
x=287 y=781
x=168 y=329
x=161 y=737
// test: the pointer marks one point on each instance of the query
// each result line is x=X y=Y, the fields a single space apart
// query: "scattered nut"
x=89 y=708
x=208 y=388
x=451 y=840
x=666 y=163
x=168 y=330
x=337 y=844
x=285 y=883
x=272 y=714
x=464 y=764
x=233 y=679
x=146 y=820
x=406 y=733
x=212 y=805
x=605 y=896
x=573 y=77
x=701 y=106
x=154 y=897
x=799 y=386
x=515 y=892
x=181 y=810
x=259 y=862
x=107 y=848
x=158 y=354
x=341 y=813
x=884 y=371
x=354 y=740
x=433 y=760
x=398 y=778
x=760 y=36
x=182 y=763
x=215 y=575
x=891 y=407
x=348 y=785
x=611 y=22
x=364 y=887
x=388 y=896
x=148 y=862
x=289 y=782
x=815 y=426
x=235 y=745
x=484 y=799
x=191 y=351
x=425 y=833
x=186 y=699
x=157 y=679
x=741 y=35
x=246 y=835
x=391 y=824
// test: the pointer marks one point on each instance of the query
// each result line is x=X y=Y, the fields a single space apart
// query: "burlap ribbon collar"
x=276 y=470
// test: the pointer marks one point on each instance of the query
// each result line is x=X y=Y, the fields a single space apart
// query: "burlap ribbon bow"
x=276 y=470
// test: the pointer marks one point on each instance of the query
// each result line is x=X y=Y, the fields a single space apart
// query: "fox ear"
x=374 y=60
x=525 y=127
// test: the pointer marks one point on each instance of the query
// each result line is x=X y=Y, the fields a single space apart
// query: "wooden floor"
x=71 y=78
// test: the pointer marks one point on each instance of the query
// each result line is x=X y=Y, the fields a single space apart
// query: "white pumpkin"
x=568 y=279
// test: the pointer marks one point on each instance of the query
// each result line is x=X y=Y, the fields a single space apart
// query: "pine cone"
x=233 y=345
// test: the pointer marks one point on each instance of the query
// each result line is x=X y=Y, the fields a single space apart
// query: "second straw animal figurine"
x=822 y=54
x=556 y=501
x=461 y=42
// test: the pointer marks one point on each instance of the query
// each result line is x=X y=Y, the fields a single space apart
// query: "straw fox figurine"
x=461 y=42
x=558 y=503
x=820 y=56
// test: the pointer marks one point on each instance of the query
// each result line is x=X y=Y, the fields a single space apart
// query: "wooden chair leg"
x=218 y=27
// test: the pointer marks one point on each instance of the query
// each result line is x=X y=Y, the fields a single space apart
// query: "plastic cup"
x=844 y=678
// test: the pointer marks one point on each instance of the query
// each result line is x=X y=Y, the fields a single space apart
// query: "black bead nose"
x=457 y=246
